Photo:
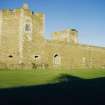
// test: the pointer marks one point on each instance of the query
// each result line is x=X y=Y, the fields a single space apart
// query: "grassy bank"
x=18 y=78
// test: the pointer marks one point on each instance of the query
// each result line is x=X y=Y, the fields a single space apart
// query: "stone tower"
x=73 y=36
x=17 y=27
x=68 y=35
x=9 y=35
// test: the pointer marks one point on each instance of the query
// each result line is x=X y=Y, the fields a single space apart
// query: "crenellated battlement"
x=12 y=12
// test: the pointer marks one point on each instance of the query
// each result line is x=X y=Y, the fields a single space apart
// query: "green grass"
x=18 y=78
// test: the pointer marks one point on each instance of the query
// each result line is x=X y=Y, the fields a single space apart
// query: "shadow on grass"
x=69 y=90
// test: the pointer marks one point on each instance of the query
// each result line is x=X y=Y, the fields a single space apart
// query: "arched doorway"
x=37 y=58
x=56 y=59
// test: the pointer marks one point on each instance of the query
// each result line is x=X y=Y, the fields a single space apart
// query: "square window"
x=27 y=27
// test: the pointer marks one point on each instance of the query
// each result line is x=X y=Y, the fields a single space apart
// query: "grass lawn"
x=18 y=78
x=52 y=87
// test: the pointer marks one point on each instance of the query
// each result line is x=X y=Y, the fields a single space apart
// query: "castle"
x=22 y=44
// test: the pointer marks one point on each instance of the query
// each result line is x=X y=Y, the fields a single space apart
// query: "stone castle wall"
x=22 y=44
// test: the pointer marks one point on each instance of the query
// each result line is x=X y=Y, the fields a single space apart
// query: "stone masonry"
x=22 y=44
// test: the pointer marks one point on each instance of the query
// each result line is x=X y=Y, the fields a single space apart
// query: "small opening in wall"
x=10 y=56
x=36 y=56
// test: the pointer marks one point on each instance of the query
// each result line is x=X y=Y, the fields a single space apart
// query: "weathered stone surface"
x=22 y=44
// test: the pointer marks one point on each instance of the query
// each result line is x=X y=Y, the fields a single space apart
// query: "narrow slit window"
x=10 y=56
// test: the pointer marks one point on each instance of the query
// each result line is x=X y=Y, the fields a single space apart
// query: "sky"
x=87 y=16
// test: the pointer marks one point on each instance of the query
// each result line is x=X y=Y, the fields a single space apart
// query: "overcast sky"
x=87 y=16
